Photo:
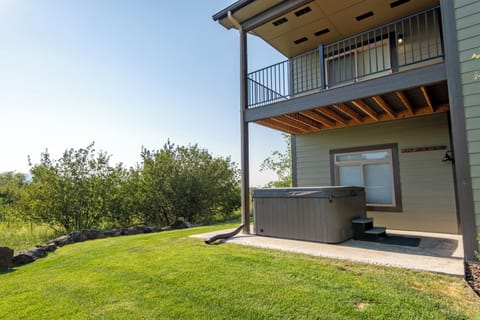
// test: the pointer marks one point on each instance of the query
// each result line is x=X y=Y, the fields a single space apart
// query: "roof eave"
x=232 y=8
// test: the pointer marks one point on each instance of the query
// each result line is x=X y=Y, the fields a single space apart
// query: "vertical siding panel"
x=427 y=183
x=468 y=29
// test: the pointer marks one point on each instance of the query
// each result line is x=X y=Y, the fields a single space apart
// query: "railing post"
x=322 y=67
x=291 y=87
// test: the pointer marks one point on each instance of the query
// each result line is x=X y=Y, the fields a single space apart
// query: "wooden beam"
x=305 y=120
x=395 y=82
x=365 y=108
x=349 y=112
x=318 y=117
x=278 y=126
x=331 y=114
x=405 y=102
x=427 y=98
x=292 y=123
x=384 y=105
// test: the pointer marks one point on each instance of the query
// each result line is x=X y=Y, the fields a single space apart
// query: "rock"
x=181 y=224
x=35 y=253
x=93 y=234
x=113 y=232
x=155 y=229
x=78 y=236
x=6 y=257
x=49 y=247
x=61 y=241
x=472 y=275
x=21 y=259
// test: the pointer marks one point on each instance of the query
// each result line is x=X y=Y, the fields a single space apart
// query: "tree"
x=73 y=192
x=11 y=185
x=281 y=163
x=188 y=183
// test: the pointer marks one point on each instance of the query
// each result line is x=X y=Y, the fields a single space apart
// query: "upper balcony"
x=411 y=42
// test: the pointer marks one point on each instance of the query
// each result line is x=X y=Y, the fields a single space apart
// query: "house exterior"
x=381 y=94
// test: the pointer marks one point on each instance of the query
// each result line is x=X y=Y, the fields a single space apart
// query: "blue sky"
x=125 y=74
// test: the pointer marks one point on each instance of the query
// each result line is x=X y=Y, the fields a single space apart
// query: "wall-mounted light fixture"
x=448 y=156
x=400 y=39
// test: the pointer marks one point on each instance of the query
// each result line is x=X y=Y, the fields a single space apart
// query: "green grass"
x=171 y=276
x=23 y=235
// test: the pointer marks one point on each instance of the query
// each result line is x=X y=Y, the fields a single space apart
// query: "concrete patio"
x=440 y=253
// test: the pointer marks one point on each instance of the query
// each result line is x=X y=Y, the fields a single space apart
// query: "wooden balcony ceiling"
x=409 y=103
x=324 y=21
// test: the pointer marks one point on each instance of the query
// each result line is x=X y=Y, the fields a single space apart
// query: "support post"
x=463 y=182
x=322 y=67
x=244 y=163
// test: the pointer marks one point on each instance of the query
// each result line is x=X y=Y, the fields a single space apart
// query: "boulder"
x=113 y=232
x=61 y=241
x=21 y=259
x=94 y=234
x=180 y=224
x=35 y=253
x=49 y=247
x=6 y=257
x=78 y=236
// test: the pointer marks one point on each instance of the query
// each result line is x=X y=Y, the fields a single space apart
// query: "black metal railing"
x=390 y=48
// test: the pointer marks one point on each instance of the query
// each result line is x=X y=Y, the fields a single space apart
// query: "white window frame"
x=392 y=160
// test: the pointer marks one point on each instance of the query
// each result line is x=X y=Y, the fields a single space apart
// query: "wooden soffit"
x=400 y=104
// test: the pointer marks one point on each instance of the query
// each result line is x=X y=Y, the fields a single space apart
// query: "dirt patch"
x=362 y=305
x=472 y=275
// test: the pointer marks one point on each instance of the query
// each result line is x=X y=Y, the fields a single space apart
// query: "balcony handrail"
x=267 y=88
x=352 y=58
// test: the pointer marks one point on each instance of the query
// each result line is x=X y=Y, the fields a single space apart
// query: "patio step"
x=363 y=229
x=360 y=225
x=379 y=231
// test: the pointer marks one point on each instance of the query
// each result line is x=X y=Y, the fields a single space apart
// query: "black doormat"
x=400 y=241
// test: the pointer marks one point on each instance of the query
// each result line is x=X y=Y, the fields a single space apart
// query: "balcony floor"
x=436 y=252
x=399 y=104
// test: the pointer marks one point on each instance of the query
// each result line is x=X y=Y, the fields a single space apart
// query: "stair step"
x=362 y=220
x=376 y=230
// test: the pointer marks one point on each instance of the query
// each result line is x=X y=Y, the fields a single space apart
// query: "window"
x=375 y=168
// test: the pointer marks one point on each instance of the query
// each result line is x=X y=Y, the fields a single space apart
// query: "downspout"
x=244 y=162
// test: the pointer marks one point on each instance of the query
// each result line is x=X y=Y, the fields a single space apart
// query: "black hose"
x=223 y=235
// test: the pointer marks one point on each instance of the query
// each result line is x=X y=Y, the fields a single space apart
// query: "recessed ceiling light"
x=364 y=16
x=280 y=21
x=398 y=3
x=323 y=31
x=301 y=12
x=298 y=41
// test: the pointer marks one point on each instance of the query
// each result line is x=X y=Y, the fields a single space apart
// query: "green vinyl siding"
x=467 y=13
x=427 y=187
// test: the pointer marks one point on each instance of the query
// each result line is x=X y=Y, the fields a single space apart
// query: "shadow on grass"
x=2 y=272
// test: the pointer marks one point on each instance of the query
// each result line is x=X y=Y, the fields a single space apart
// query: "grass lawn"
x=171 y=276
x=23 y=235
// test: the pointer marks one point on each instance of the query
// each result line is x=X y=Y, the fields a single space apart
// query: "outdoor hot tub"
x=322 y=214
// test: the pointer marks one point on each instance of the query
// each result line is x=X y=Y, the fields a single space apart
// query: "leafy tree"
x=81 y=190
x=11 y=185
x=188 y=183
x=73 y=192
x=281 y=164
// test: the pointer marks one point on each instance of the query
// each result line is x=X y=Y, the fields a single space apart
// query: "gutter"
x=232 y=8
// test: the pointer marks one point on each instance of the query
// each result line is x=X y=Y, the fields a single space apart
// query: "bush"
x=188 y=183
x=82 y=191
